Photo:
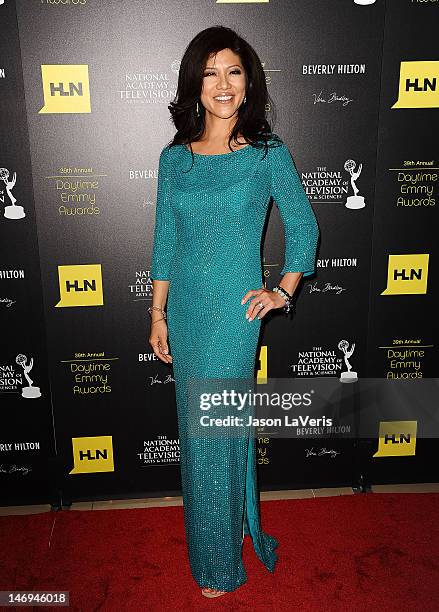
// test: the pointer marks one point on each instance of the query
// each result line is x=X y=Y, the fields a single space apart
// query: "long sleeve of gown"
x=300 y=224
x=165 y=230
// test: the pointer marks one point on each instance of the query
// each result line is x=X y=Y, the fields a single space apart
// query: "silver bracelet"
x=287 y=297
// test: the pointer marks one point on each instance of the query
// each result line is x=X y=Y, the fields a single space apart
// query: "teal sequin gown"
x=207 y=239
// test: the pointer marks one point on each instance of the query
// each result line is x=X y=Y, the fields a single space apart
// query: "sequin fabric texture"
x=207 y=243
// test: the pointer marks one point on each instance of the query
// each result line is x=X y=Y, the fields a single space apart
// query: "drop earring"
x=198 y=110
x=244 y=101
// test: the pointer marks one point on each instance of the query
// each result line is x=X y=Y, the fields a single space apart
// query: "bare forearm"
x=290 y=280
x=159 y=294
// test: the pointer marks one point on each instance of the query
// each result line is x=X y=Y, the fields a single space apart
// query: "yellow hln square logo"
x=418 y=85
x=92 y=455
x=80 y=285
x=262 y=373
x=407 y=274
x=66 y=88
x=397 y=439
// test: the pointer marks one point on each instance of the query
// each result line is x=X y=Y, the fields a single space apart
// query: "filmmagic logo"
x=397 y=439
x=66 y=88
x=80 y=285
x=418 y=85
x=92 y=455
x=407 y=275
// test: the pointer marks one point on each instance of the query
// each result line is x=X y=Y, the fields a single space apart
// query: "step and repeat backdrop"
x=87 y=410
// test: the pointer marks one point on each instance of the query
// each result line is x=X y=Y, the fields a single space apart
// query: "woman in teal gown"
x=210 y=215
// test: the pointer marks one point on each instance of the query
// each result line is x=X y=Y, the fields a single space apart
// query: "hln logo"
x=74 y=89
x=66 y=88
x=407 y=274
x=87 y=285
x=396 y=439
x=418 y=85
x=94 y=454
x=80 y=285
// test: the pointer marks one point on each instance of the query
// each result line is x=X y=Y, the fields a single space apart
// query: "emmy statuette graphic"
x=30 y=391
x=355 y=201
x=12 y=211
x=349 y=375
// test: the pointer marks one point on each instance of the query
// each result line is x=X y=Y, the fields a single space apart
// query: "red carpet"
x=358 y=552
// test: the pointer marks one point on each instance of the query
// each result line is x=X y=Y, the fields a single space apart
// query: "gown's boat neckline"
x=216 y=154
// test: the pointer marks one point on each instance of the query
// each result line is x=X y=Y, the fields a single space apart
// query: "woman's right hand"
x=158 y=339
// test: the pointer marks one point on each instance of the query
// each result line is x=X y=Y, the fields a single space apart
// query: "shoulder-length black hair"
x=251 y=122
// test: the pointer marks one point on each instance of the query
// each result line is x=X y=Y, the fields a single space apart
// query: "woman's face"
x=223 y=84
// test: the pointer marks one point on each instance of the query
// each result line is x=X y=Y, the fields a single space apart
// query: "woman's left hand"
x=269 y=300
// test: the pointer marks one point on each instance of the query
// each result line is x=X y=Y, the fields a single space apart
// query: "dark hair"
x=251 y=121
